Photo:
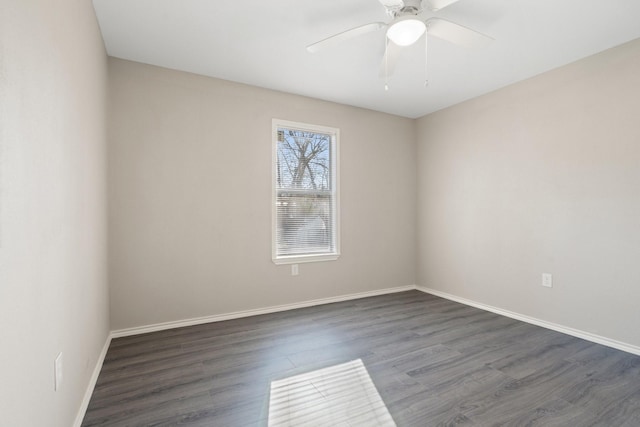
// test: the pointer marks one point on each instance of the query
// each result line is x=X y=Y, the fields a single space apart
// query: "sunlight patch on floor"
x=341 y=395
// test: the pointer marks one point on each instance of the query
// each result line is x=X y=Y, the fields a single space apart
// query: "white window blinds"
x=304 y=193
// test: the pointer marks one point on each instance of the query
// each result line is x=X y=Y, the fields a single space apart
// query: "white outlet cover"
x=547 y=280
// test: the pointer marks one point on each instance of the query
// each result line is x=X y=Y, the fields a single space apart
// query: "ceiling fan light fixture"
x=406 y=30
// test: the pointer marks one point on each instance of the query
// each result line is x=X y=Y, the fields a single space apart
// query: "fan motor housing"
x=410 y=7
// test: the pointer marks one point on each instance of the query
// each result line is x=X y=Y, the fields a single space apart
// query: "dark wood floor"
x=433 y=362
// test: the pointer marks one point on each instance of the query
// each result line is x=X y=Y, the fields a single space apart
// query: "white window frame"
x=335 y=137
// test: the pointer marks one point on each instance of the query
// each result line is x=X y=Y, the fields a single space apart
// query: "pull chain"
x=426 y=60
x=386 y=64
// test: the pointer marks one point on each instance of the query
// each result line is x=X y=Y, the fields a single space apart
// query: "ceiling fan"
x=406 y=28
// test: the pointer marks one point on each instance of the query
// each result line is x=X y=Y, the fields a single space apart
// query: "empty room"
x=319 y=213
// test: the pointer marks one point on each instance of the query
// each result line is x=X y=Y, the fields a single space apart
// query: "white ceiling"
x=262 y=43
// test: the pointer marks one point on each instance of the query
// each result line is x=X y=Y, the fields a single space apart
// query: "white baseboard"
x=92 y=383
x=538 y=322
x=254 y=312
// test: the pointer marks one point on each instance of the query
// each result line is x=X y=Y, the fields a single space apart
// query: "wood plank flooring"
x=433 y=362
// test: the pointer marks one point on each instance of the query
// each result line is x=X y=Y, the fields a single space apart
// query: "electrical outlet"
x=547 y=280
x=57 y=372
x=294 y=269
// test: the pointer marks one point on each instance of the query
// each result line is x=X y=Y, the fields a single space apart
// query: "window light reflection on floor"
x=340 y=395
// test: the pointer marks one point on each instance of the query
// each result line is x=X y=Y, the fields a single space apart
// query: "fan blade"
x=389 y=60
x=456 y=33
x=434 y=5
x=345 y=35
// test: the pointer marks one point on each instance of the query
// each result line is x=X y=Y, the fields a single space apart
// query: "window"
x=305 y=193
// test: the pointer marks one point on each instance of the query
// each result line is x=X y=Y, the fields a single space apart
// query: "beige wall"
x=53 y=290
x=543 y=176
x=190 y=198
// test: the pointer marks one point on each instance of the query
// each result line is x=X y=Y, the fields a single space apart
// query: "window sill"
x=299 y=259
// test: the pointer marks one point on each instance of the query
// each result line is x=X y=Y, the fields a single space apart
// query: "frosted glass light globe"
x=406 y=30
